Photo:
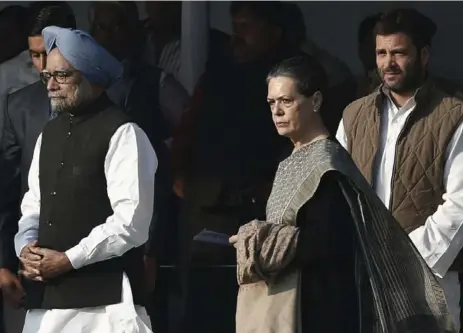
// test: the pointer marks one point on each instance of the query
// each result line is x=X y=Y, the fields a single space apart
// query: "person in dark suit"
x=23 y=115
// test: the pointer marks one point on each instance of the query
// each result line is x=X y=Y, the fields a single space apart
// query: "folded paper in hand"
x=213 y=237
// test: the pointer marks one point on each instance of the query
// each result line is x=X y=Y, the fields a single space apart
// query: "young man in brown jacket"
x=406 y=138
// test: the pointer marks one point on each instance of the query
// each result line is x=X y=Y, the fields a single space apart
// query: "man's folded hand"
x=30 y=262
x=52 y=264
x=40 y=264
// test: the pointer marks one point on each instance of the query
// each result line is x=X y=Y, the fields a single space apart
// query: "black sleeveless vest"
x=74 y=200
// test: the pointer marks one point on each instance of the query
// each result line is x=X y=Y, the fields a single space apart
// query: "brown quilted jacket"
x=417 y=184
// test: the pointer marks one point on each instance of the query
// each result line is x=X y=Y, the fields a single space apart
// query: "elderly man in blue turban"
x=87 y=213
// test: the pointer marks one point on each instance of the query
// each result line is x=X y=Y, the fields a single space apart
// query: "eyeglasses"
x=59 y=76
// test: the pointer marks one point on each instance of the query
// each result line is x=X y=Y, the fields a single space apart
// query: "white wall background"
x=333 y=26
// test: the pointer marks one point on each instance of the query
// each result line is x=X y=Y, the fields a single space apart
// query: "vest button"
x=53 y=193
x=49 y=223
x=69 y=134
x=61 y=164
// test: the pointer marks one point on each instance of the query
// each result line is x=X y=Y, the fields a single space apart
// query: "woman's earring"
x=315 y=110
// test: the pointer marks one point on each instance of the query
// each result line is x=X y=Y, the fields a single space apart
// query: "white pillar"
x=194 y=42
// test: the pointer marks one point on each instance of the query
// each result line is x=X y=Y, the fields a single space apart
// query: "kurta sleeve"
x=130 y=167
x=440 y=239
x=28 y=225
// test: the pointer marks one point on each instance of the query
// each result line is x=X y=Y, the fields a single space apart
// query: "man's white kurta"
x=130 y=166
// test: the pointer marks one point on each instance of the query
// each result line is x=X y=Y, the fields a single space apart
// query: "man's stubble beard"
x=412 y=78
x=83 y=95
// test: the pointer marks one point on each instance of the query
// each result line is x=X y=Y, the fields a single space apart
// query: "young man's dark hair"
x=46 y=13
x=43 y=14
x=420 y=28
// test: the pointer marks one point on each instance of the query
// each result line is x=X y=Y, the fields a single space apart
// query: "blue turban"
x=79 y=48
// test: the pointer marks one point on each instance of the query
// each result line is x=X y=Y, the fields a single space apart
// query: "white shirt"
x=169 y=58
x=130 y=166
x=173 y=99
x=17 y=73
x=440 y=239
x=395 y=119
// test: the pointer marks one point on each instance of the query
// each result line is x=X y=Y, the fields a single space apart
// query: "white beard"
x=83 y=94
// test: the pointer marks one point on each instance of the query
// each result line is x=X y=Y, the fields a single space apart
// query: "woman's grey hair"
x=307 y=72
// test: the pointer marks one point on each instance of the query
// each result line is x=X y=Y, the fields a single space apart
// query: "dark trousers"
x=208 y=288
x=210 y=304
x=163 y=309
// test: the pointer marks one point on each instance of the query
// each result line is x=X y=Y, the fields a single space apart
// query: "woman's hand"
x=233 y=239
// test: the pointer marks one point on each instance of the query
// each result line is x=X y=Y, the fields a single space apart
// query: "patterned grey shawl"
x=406 y=295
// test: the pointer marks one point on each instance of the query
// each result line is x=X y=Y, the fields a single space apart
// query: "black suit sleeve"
x=10 y=192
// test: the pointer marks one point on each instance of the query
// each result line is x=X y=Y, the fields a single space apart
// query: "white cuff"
x=77 y=256
x=20 y=244
x=437 y=261
x=19 y=248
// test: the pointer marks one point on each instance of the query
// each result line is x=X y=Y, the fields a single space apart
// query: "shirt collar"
x=419 y=96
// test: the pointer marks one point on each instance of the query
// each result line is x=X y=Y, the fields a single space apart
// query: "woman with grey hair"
x=329 y=257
